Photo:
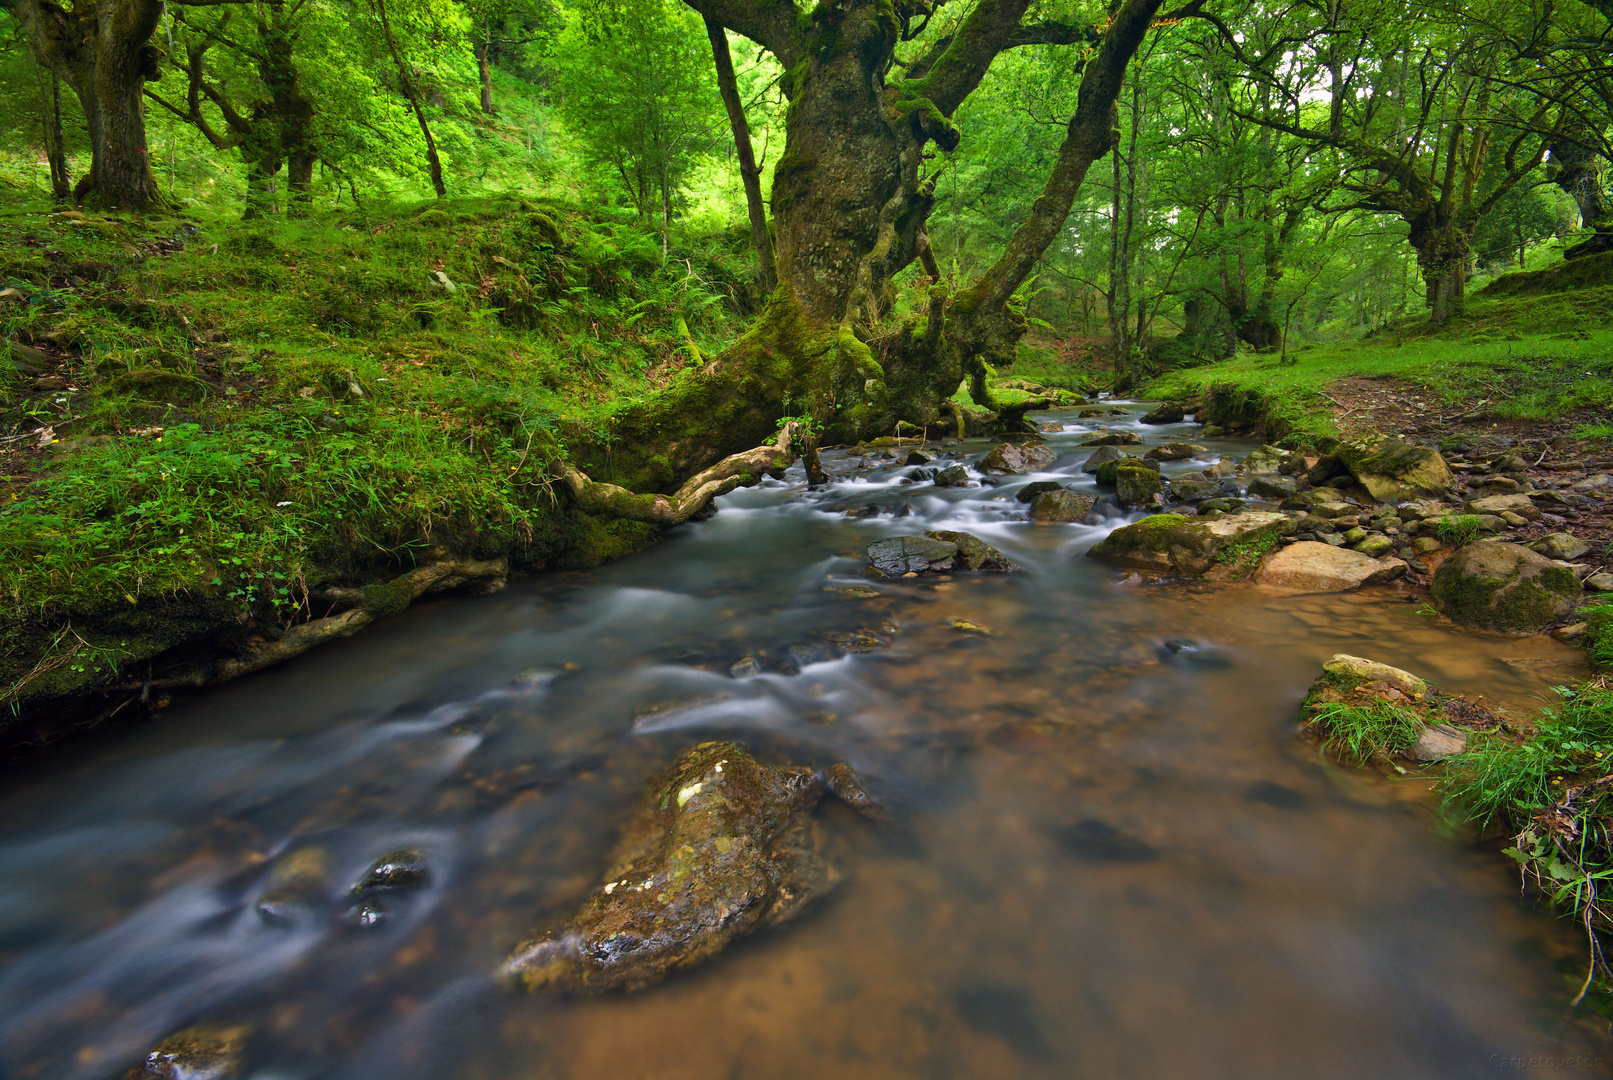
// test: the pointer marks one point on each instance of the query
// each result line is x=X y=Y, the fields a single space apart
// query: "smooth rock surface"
x=1504 y=587
x=1184 y=545
x=898 y=555
x=975 y=554
x=1016 y=458
x=1309 y=566
x=1062 y=506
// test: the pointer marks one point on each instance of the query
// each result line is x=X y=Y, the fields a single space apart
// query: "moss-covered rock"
x=1137 y=486
x=1504 y=587
x=1183 y=545
x=1395 y=470
x=1016 y=458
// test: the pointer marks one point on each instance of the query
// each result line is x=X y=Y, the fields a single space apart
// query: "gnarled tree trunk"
x=849 y=205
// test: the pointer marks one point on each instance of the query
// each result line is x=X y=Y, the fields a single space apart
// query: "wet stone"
x=1115 y=438
x=975 y=554
x=204 y=1052
x=405 y=868
x=952 y=476
x=1100 y=842
x=1015 y=458
x=898 y=555
x=721 y=846
x=1062 y=506
x=1030 y=491
x=1164 y=413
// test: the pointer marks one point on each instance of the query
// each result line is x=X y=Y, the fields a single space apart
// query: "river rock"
x=952 y=476
x=1137 y=486
x=1504 y=587
x=1357 y=671
x=1108 y=473
x=975 y=554
x=1599 y=583
x=1395 y=470
x=1115 y=438
x=898 y=555
x=1176 y=451
x=1062 y=506
x=721 y=846
x=1265 y=459
x=1185 y=545
x=1595 y=482
x=1374 y=545
x=1224 y=505
x=204 y=1052
x=1016 y=458
x=1030 y=491
x=1272 y=487
x=405 y=868
x=1187 y=489
x=920 y=457
x=1099 y=457
x=1309 y=566
x=1165 y=412
x=1437 y=743
x=1501 y=505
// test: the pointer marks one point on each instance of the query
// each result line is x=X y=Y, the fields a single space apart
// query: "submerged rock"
x=1504 y=587
x=975 y=554
x=721 y=846
x=1310 y=566
x=898 y=555
x=204 y=1052
x=1184 y=545
x=405 y=868
x=1015 y=458
x=1062 y=506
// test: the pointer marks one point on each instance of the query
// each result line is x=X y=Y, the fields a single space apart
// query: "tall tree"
x=749 y=175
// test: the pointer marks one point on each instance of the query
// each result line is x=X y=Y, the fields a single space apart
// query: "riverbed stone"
x=975 y=554
x=1495 y=585
x=1266 y=459
x=1225 y=505
x=204 y=1052
x=1190 y=490
x=1137 y=486
x=1174 y=452
x=1062 y=506
x=952 y=476
x=898 y=555
x=1437 y=743
x=1109 y=472
x=1272 y=487
x=1016 y=458
x=1100 y=456
x=1594 y=482
x=1502 y=505
x=1312 y=566
x=1030 y=491
x=920 y=457
x=1375 y=545
x=1166 y=412
x=1395 y=470
x=1599 y=583
x=1114 y=438
x=1184 y=545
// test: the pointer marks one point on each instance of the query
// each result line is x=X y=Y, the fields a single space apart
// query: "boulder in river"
x=1184 y=545
x=920 y=457
x=952 y=476
x=975 y=554
x=1108 y=474
x=1166 y=412
x=1062 y=506
x=898 y=555
x=1272 y=487
x=1137 y=486
x=1504 y=587
x=1100 y=456
x=1309 y=566
x=1016 y=458
x=1187 y=489
x=1267 y=459
x=1175 y=451
x=1114 y=438
x=721 y=846
x=1030 y=491
x=1395 y=470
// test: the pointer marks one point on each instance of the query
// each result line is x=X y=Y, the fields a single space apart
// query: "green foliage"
x=1363 y=731
x=1458 y=530
x=1598 y=616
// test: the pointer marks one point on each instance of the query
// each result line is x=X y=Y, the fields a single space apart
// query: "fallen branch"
x=696 y=494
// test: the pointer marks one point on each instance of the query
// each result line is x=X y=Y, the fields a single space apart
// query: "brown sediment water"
x=1109 y=851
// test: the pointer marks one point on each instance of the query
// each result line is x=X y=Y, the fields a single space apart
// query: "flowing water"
x=1108 y=856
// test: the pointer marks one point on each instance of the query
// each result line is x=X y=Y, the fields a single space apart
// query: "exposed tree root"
x=696 y=494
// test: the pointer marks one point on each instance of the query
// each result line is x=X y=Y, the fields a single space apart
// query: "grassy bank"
x=1518 y=357
x=205 y=421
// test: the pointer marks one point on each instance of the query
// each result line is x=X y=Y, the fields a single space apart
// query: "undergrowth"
x=1363 y=731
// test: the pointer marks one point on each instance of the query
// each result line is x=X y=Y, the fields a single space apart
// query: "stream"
x=1109 y=853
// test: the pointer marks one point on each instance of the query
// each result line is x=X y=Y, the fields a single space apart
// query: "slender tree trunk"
x=61 y=182
x=749 y=174
x=300 y=183
x=406 y=81
x=484 y=67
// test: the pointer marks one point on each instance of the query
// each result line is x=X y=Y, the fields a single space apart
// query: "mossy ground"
x=223 y=416
x=1532 y=357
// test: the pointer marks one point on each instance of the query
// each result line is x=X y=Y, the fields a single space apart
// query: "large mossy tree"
x=871 y=86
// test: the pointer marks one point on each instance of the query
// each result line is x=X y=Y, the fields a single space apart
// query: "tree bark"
x=750 y=176
x=61 y=182
x=484 y=67
x=406 y=81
